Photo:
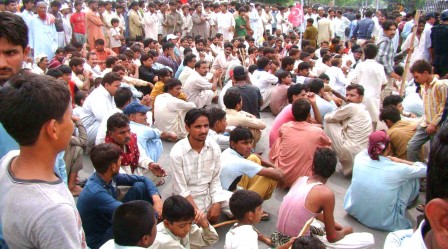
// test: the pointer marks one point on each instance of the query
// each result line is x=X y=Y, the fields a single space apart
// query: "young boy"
x=115 y=35
x=246 y=207
x=183 y=226
x=278 y=98
x=218 y=125
x=133 y=225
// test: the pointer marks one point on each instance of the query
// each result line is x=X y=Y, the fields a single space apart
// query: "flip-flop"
x=265 y=216
x=160 y=182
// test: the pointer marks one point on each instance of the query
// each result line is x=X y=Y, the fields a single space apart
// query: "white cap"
x=171 y=37
x=64 y=6
x=39 y=57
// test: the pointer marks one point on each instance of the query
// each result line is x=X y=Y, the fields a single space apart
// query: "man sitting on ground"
x=98 y=200
x=349 y=127
x=195 y=164
x=310 y=198
x=250 y=94
x=198 y=89
x=295 y=156
x=248 y=171
x=218 y=124
x=237 y=117
x=132 y=162
x=399 y=131
x=169 y=110
x=133 y=226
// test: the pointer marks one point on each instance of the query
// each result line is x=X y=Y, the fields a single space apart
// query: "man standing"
x=200 y=23
x=386 y=55
x=173 y=21
x=363 y=30
x=43 y=37
x=434 y=93
x=198 y=89
x=349 y=127
x=226 y=23
x=425 y=39
x=136 y=24
x=187 y=22
x=324 y=28
x=78 y=22
x=196 y=164
x=439 y=50
x=151 y=22
x=93 y=24
x=27 y=14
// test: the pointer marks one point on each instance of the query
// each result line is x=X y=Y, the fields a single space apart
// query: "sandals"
x=265 y=216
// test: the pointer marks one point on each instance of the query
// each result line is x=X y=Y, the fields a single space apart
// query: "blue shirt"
x=148 y=140
x=381 y=191
x=364 y=29
x=98 y=201
x=233 y=165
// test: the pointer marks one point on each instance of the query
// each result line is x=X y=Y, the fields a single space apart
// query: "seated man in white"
x=198 y=89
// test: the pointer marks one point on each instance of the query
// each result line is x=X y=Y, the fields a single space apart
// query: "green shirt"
x=240 y=32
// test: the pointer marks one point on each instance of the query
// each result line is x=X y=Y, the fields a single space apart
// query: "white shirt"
x=102 y=129
x=96 y=106
x=96 y=71
x=195 y=88
x=406 y=239
x=169 y=114
x=225 y=21
x=187 y=24
x=371 y=75
x=185 y=74
x=338 y=81
x=241 y=237
x=222 y=62
x=263 y=80
x=425 y=43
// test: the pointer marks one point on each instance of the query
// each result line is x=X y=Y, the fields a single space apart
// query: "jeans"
x=417 y=141
x=80 y=38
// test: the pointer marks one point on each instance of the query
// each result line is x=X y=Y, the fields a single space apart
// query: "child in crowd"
x=278 y=98
x=245 y=205
x=183 y=226
x=115 y=35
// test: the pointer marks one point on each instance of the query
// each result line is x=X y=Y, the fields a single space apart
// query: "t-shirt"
x=241 y=237
x=251 y=97
x=78 y=20
x=114 y=42
x=47 y=218
x=233 y=165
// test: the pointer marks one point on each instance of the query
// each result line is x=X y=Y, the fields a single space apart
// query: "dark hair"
x=189 y=58
x=167 y=45
x=388 y=24
x=117 y=68
x=110 y=78
x=326 y=58
x=13 y=29
x=323 y=51
x=287 y=60
x=241 y=133
x=252 y=68
x=294 y=89
x=55 y=4
x=117 y=120
x=390 y=113
x=164 y=72
x=307 y=242
x=77 y=3
x=368 y=13
x=122 y=96
x=103 y=155
x=359 y=88
x=232 y=98
x=421 y=66
x=324 y=76
x=324 y=162
x=89 y=54
x=80 y=95
x=131 y=221
x=310 y=20
x=199 y=63
x=55 y=73
x=30 y=102
x=437 y=171
x=74 y=62
x=243 y=202
x=370 y=51
x=192 y=115
x=303 y=66
x=393 y=100
x=145 y=57
x=303 y=55
x=172 y=83
x=282 y=75
x=177 y=208
x=114 y=20
x=268 y=50
x=215 y=115
x=99 y=42
x=111 y=60
x=335 y=62
x=65 y=69
x=316 y=85
x=301 y=109
x=262 y=62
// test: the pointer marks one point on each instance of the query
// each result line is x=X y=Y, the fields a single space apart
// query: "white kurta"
x=43 y=38
x=198 y=90
x=151 y=21
x=370 y=74
x=349 y=128
x=226 y=22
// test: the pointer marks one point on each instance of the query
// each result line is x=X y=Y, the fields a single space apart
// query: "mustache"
x=127 y=139
x=5 y=69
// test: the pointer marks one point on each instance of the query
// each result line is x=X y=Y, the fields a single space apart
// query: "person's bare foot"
x=76 y=190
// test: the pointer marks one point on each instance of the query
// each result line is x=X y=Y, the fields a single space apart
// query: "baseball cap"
x=135 y=107
x=239 y=70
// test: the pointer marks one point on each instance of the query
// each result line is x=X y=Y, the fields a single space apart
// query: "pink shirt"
x=293 y=151
x=293 y=214
x=279 y=98
x=284 y=116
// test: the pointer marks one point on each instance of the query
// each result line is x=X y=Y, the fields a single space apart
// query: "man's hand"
x=311 y=98
x=157 y=170
x=145 y=100
x=395 y=76
x=158 y=205
x=214 y=212
x=327 y=97
x=200 y=219
x=217 y=73
x=431 y=129
x=75 y=119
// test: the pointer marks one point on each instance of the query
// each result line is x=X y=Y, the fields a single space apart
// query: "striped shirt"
x=386 y=54
x=434 y=98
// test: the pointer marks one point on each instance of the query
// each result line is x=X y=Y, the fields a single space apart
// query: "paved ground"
x=338 y=183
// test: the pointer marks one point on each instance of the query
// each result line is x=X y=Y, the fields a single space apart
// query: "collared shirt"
x=263 y=80
x=407 y=239
x=197 y=174
x=386 y=54
x=148 y=139
x=168 y=61
x=220 y=139
x=98 y=201
x=234 y=166
x=400 y=134
x=236 y=118
x=434 y=99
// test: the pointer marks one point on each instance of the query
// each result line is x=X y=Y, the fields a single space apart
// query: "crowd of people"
x=114 y=81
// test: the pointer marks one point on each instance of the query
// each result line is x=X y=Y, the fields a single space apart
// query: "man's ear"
x=51 y=129
x=437 y=213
